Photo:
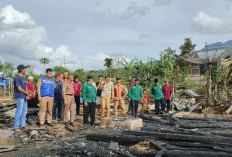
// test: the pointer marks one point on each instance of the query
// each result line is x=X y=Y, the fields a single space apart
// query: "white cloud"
x=133 y=11
x=204 y=23
x=159 y=3
x=22 y=42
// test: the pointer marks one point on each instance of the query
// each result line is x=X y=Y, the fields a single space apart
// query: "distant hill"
x=220 y=44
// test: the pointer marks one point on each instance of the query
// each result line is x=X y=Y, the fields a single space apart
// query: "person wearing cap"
x=77 y=93
x=167 y=92
x=134 y=96
x=69 y=104
x=58 y=99
x=90 y=101
x=131 y=83
x=20 y=94
x=156 y=91
x=99 y=91
x=31 y=88
x=106 y=96
x=45 y=88
x=120 y=92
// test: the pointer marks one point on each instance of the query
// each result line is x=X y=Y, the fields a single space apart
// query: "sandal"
x=17 y=130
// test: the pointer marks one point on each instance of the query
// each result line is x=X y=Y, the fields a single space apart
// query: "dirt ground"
x=76 y=143
x=31 y=148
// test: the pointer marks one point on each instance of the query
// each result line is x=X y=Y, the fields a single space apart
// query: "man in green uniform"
x=135 y=95
x=90 y=101
x=156 y=90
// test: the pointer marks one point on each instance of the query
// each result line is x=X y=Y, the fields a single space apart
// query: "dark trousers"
x=77 y=101
x=134 y=107
x=129 y=108
x=58 y=103
x=167 y=104
x=89 y=110
x=157 y=106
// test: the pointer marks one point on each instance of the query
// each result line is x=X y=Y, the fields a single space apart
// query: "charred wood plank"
x=141 y=153
x=122 y=154
x=120 y=138
x=178 y=153
x=181 y=137
x=157 y=120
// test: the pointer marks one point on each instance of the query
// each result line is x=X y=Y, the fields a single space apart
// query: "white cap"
x=30 y=78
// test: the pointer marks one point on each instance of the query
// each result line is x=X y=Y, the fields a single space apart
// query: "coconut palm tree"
x=44 y=61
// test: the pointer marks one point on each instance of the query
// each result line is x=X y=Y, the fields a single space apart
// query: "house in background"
x=198 y=71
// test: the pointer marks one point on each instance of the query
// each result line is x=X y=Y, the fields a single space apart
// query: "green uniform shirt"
x=89 y=93
x=135 y=92
x=157 y=91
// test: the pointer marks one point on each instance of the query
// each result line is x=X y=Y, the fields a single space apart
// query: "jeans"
x=134 y=107
x=89 y=110
x=21 y=113
x=77 y=100
x=157 y=106
x=58 y=103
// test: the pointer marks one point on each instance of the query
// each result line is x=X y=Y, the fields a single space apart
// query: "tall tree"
x=59 y=69
x=44 y=61
x=8 y=68
x=187 y=47
x=1 y=66
x=108 y=64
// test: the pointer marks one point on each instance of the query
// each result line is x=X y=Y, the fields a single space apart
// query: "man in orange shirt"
x=120 y=92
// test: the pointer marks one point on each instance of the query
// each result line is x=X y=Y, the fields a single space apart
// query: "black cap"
x=89 y=77
x=118 y=78
x=21 y=66
x=137 y=79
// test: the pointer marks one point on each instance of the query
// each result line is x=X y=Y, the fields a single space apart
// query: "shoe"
x=86 y=124
x=23 y=128
x=54 y=121
x=41 y=125
x=72 y=124
x=17 y=130
x=93 y=124
x=49 y=124
x=129 y=112
x=66 y=124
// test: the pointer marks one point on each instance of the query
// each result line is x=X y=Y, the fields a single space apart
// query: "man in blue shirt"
x=20 y=94
x=46 y=85
x=58 y=99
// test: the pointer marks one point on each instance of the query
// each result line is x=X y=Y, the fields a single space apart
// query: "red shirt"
x=167 y=91
x=130 y=85
x=30 y=87
x=144 y=97
x=77 y=88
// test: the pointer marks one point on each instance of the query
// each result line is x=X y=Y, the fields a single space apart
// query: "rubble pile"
x=183 y=104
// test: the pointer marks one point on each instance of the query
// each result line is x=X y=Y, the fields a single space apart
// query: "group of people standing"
x=58 y=96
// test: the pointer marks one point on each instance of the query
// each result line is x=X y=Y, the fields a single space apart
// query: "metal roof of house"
x=210 y=55
x=189 y=92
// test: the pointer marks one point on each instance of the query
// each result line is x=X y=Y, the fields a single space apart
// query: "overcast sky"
x=95 y=29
